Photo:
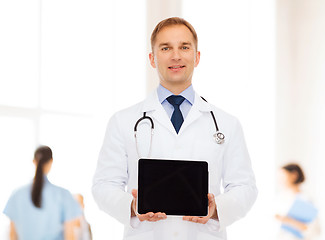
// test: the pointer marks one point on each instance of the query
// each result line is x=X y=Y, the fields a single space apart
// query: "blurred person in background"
x=41 y=210
x=82 y=227
x=296 y=213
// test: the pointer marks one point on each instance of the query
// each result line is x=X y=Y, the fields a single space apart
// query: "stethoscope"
x=219 y=137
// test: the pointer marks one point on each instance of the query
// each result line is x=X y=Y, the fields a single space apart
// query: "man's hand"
x=150 y=216
x=211 y=214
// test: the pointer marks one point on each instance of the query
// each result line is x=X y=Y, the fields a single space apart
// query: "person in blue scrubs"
x=41 y=210
x=296 y=213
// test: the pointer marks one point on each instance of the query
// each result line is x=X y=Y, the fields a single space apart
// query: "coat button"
x=175 y=234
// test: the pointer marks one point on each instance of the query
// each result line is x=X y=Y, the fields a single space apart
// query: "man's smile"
x=176 y=67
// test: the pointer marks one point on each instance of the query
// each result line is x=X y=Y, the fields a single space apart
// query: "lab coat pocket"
x=210 y=231
x=140 y=236
x=143 y=230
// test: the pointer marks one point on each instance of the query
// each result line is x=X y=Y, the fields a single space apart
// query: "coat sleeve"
x=240 y=190
x=111 y=175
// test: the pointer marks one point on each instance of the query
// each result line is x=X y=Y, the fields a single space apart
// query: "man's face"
x=174 y=55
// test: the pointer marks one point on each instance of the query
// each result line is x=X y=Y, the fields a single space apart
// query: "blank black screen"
x=175 y=187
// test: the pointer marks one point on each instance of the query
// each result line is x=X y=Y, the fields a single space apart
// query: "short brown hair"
x=170 y=22
x=295 y=168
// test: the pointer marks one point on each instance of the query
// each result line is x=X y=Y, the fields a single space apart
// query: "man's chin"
x=177 y=83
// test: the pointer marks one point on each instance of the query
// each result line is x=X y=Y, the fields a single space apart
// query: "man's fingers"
x=134 y=193
x=186 y=218
x=158 y=216
x=211 y=199
x=155 y=217
x=195 y=219
x=203 y=220
x=152 y=217
x=189 y=218
x=161 y=215
x=145 y=217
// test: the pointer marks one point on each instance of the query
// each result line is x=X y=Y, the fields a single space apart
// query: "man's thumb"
x=134 y=193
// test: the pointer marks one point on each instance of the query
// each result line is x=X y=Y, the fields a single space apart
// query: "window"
x=67 y=67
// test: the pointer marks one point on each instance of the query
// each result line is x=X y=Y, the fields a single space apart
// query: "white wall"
x=300 y=91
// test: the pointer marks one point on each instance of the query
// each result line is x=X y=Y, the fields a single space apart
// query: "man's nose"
x=176 y=55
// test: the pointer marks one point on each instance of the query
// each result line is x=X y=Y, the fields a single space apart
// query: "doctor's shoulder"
x=225 y=118
x=133 y=112
x=228 y=124
x=126 y=118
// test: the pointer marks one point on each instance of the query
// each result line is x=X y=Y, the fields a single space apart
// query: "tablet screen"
x=175 y=187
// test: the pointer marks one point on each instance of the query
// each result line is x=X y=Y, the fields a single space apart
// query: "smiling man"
x=184 y=128
x=174 y=54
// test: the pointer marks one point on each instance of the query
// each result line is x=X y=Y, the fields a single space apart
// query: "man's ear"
x=197 y=58
x=152 y=60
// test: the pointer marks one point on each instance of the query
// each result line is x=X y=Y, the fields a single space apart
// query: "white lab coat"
x=229 y=167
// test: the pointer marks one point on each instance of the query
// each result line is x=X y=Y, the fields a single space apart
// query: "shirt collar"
x=164 y=93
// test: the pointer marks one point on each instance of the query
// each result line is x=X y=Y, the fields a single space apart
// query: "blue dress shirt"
x=45 y=223
x=186 y=105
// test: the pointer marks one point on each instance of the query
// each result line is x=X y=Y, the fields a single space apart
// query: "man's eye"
x=185 y=48
x=165 y=48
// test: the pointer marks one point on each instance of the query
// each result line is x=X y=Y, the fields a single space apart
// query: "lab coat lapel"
x=198 y=108
x=154 y=108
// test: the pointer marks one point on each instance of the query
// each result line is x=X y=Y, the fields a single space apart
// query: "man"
x=184 y=129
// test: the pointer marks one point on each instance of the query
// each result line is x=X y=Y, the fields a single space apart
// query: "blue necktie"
x=177 y=117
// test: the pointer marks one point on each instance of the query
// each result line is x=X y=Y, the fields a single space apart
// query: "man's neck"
x=176 y=89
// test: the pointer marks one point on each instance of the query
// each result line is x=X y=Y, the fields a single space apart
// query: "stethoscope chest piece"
x=219 y=137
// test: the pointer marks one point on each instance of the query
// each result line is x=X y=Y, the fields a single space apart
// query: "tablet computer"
x=175 y=187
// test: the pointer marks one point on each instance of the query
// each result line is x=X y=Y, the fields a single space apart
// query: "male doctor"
x=184 y=129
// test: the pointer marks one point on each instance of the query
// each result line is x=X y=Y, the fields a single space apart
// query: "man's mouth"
x=176 y=67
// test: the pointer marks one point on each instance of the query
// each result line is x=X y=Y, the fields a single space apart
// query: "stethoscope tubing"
x=143 y=118
x=218 y=136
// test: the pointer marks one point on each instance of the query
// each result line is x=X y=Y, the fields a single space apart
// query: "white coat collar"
x=152 y=103
x=153 y=107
